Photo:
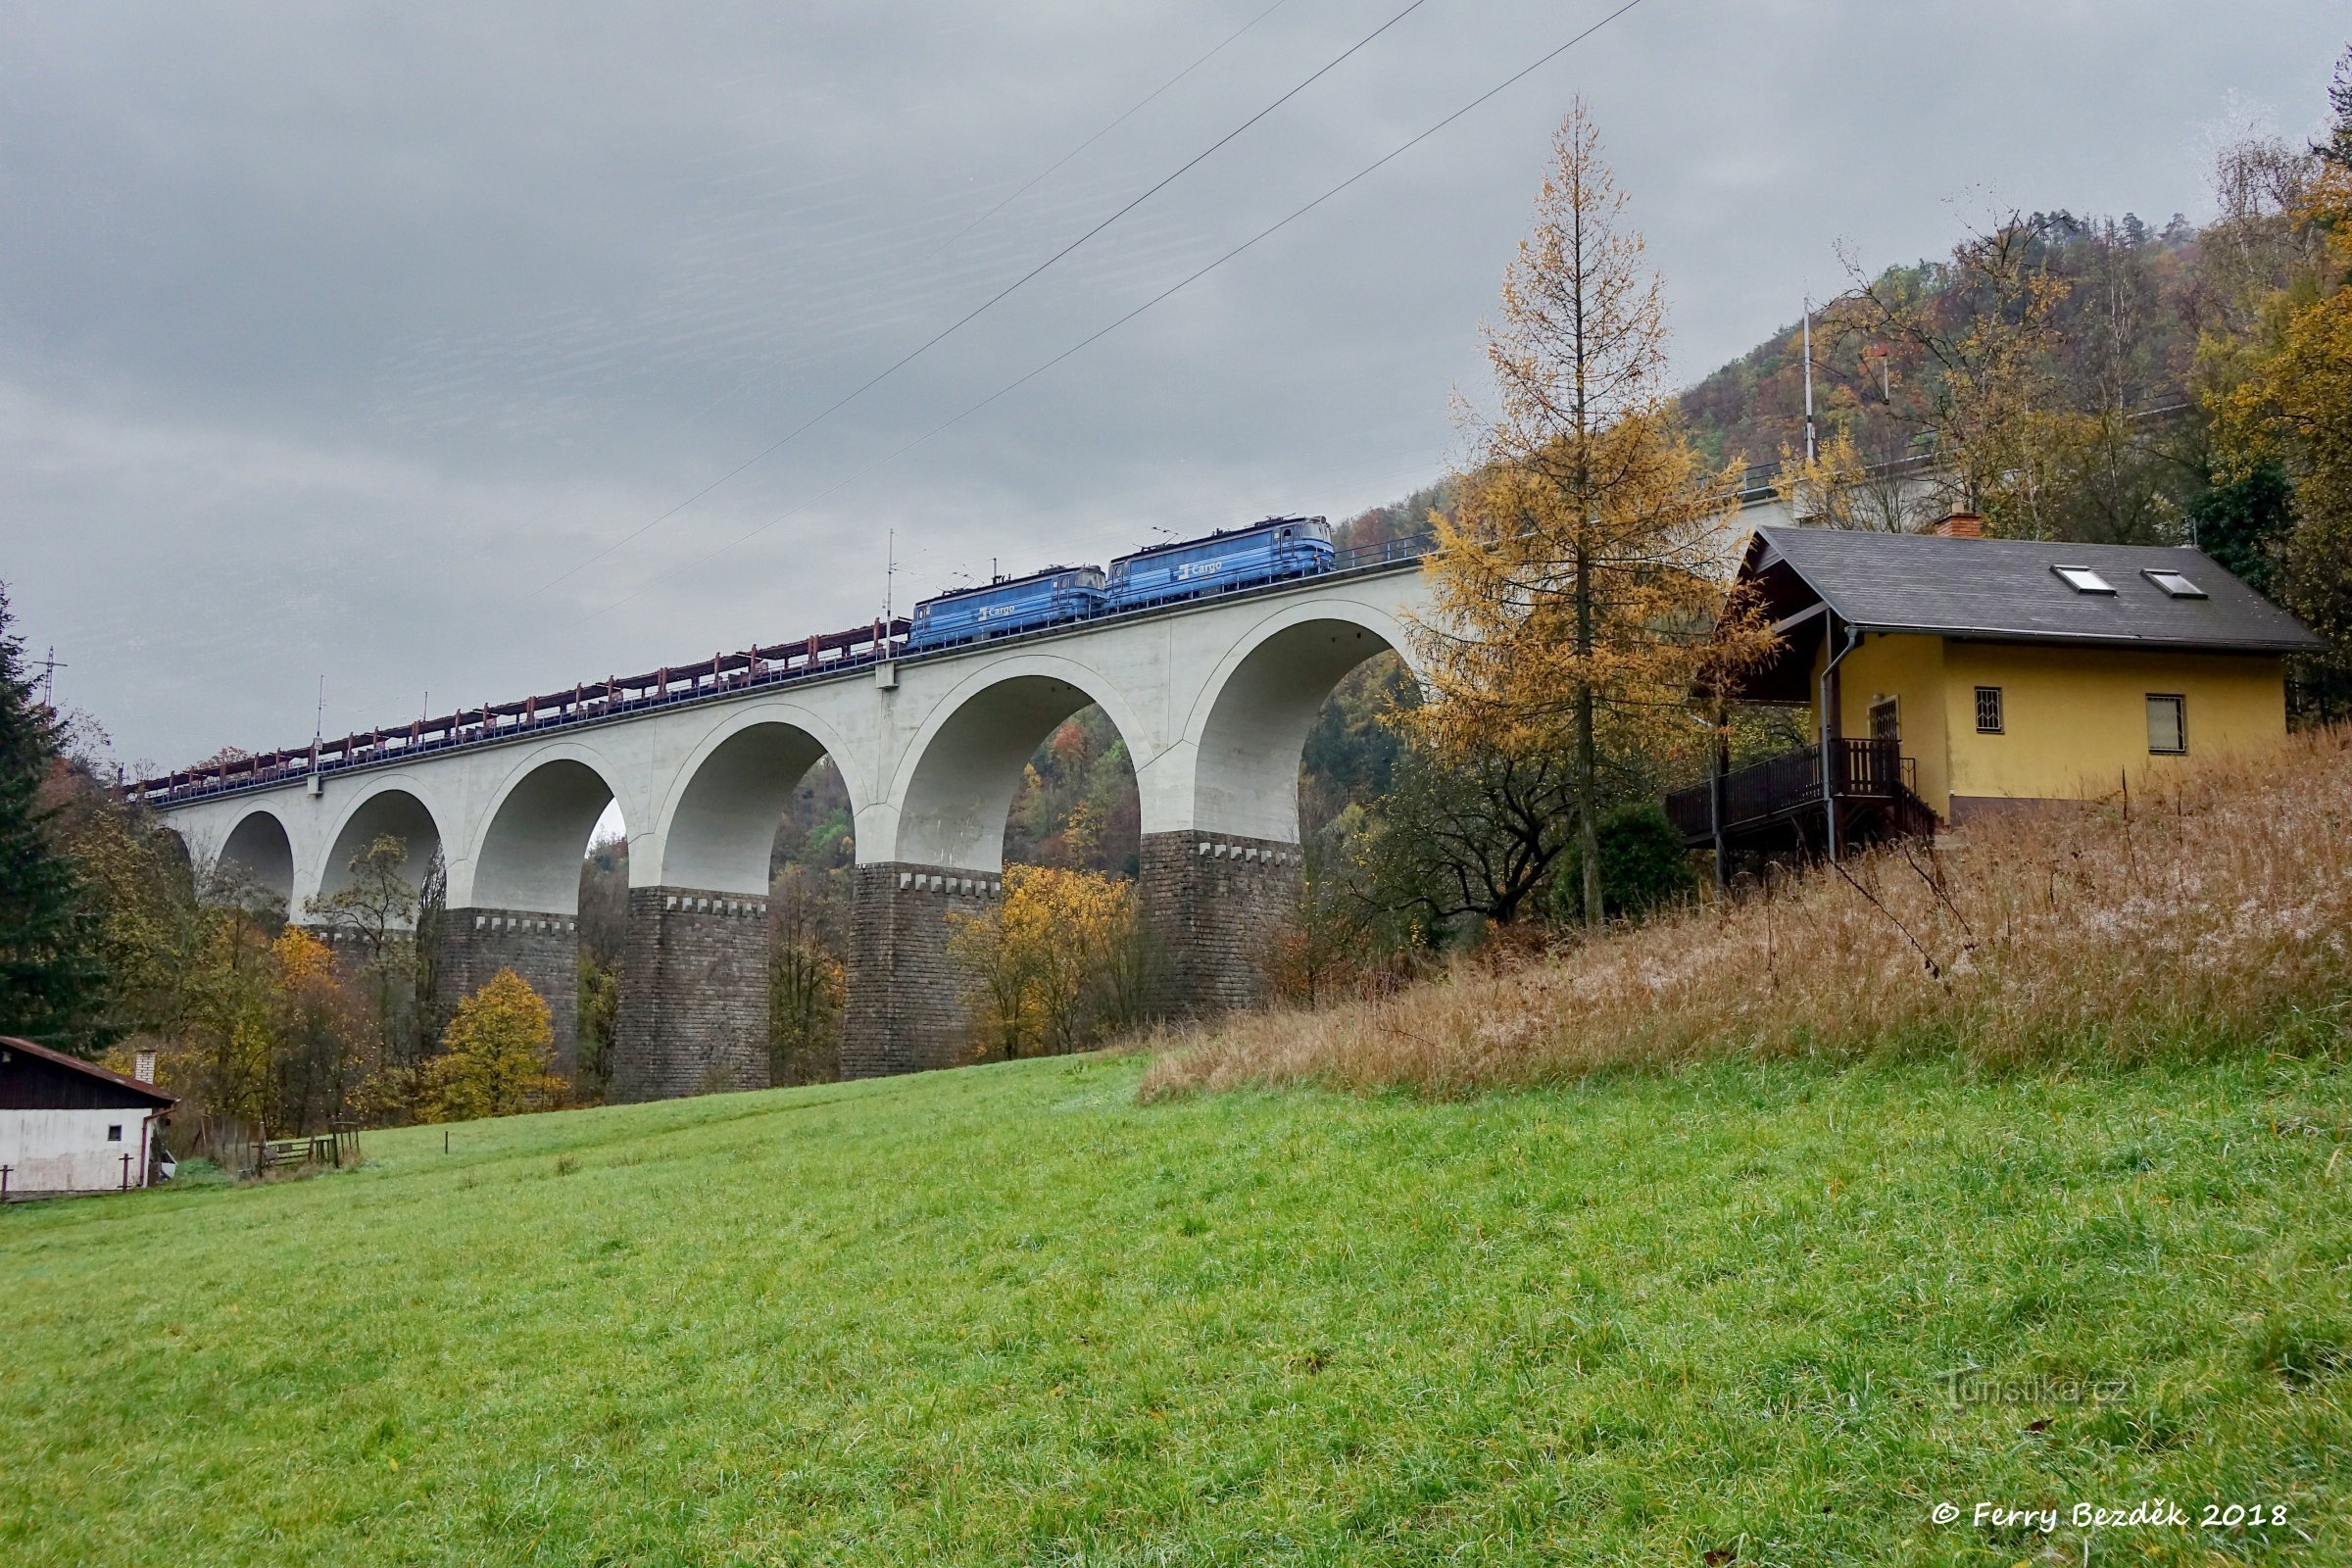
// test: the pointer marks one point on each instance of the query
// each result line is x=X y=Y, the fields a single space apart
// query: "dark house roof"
x=1999 y=590
x=35 y=1078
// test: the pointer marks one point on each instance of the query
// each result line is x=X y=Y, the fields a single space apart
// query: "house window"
x=2168 y=725
x=1885 y=724
x=113 y=1133
x=2172 y=583
x=2082 y=580
x=1988 y=710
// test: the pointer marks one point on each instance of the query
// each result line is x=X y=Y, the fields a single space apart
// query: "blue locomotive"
x=1227 y=560
x=1012 y=604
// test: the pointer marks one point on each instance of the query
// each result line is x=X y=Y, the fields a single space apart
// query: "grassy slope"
x=1010 y=1315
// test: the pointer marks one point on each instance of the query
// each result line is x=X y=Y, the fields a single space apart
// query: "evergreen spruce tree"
x=50 y=980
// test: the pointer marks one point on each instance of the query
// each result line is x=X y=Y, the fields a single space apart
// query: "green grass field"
x=1007 y=1315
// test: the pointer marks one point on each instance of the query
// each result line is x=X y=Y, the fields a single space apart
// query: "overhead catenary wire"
x=1178 y=286
x=1138 y=107
x=980 y=310
x=747 y=382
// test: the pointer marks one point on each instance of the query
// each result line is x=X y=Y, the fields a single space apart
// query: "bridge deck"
x=609 y=701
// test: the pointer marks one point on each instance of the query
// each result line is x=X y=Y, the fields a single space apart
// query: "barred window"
x=2168 y=724
x=1988 y=710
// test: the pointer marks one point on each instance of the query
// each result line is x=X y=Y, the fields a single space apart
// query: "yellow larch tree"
x=1581 y=585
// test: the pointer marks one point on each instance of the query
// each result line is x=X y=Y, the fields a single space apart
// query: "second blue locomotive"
x=1009 y=605
x=1222 y=563
x=1229 y=558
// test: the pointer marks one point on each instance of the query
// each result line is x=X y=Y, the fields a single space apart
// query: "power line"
x=981 y=309
x=1182 y=284
x=1139 y=105
x=747 y=382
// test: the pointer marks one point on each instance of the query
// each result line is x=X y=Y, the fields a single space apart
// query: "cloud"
x=360 y=343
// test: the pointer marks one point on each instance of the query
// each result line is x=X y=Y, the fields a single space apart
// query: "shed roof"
x=116 y=1089
x=2009 y=590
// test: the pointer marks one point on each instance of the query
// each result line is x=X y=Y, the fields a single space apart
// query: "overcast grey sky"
x=348 y=344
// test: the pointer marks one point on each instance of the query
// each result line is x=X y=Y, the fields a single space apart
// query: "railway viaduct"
x=1213 y=698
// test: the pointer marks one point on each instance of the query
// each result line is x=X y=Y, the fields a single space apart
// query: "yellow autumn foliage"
x=1043 y=956
x=498 y=1056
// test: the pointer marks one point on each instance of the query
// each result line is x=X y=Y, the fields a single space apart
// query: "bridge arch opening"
x=255 y=862
x=390 y=813
x=725 y=831
x=538 y=837
x=963 y=786
x=1251 y=744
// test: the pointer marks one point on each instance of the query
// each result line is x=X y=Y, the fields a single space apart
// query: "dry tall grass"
x=2215 y=906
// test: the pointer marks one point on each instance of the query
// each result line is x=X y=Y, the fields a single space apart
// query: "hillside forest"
x=2067 y=376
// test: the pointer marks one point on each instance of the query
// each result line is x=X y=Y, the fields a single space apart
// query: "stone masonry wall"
x=543 y=949
x=1212 y=906
x=693 y=995
x=908 y=1006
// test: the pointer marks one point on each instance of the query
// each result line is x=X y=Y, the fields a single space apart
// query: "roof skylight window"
x=2174 y=583
x=2082 y=580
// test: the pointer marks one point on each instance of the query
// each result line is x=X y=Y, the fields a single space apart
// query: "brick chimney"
x=1960 y=526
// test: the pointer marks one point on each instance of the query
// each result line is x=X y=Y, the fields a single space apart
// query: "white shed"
x=69 y=1126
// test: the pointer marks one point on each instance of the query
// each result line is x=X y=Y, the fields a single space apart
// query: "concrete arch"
x=528 y=855
x=257 y=854
x=393 y=806
x=1248 y=727
x=956 y=782
x=718 y=827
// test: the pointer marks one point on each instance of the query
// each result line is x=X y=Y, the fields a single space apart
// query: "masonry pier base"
x=544 y=949
x=1213 y=905
x=693 y=996
x=909 y=1002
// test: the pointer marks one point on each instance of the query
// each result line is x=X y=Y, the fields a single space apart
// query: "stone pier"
x=1213 y=907
x=693 y=995
x=543 y=949
x=909 y=1002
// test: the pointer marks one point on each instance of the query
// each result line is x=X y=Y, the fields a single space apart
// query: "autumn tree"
x=1836 y=487
x=498 y=1056
x=808 y=981
x=1577 y=585
x=1046 y=960
x=2286 y=401
x=1984 y=327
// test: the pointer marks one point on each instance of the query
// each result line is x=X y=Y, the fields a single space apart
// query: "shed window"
x=1988 y=710
x=113 y=1133
x=2168 y=724
x=2174 y=583
x=2082 y=580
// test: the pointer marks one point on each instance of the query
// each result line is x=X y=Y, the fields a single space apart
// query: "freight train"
x=1231 y=559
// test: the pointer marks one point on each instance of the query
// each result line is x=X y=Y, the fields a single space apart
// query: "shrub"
x=1644 y=867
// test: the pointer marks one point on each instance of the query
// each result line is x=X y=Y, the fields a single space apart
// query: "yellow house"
x=1964 y=675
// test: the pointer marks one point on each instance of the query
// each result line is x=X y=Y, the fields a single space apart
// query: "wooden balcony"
x=1777 y=803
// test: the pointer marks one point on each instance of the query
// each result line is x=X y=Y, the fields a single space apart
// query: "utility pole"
x=49 y=669
x=890 y=575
